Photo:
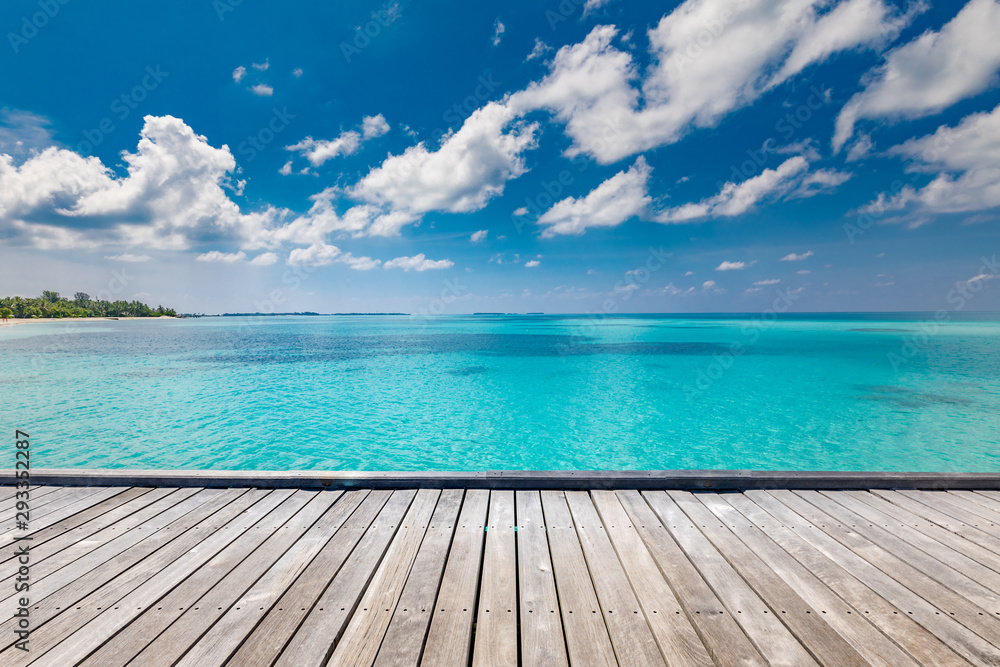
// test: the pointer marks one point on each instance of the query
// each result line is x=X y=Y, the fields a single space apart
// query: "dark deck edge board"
x=689 y=480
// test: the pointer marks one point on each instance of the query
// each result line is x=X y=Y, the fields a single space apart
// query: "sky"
x=583 y=156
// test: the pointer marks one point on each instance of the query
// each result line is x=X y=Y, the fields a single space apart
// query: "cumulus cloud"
x=793 y=257
x=262 y=89
x=286 y=168
x=693 y=81
x=734 y=266
x=174 y=193
x=222 y=257
x=930 y=73
x=736 y=199
x=611 y=203
x=532 y=263
x=479 y=236
x=323 y=254
x=967 y=159
x=239 y=73
x=318 y=151
x=262 y=67
x=297 y=72
x=418 y=263
x=471 y=167
x=374 y=126
x=128 y=257
x=264 y=259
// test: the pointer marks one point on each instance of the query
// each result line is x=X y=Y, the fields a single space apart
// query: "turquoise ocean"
x=822 y=392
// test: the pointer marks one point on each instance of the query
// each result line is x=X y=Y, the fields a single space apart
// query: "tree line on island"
x=52 y=305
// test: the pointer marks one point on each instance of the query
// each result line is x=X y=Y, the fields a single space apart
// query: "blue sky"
x=592 y=156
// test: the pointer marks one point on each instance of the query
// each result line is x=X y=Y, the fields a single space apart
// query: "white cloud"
x=769 y=281
x=264 y=259
x=222 y=257
x=286 y=168
x=323 y=254
x=592 y=5
x=319 y=151
x=262 y=67
x=539 y=50
x=521 y=210
x=819 y=182
x=734 y=266
x=968 y=159
x=470 y=168
x=736 y=199
x=174 y=194
x=374 y=126
x=611 y=203
x=418 y=263
x=297 y=72
x=239 y=73
x=932 y=72
x=697 y=76
x=129 y=257
x=498 y=30
x=262 y=89
x=349 y=141
x=479 y=236
x=531 y=263
x=804 y=272
x=793 y=257
x=688 y=273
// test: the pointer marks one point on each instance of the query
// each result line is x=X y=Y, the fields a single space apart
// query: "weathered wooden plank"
x=850 y=622
x=986 y=499
x=55 y=538
x=587 y=639
x=266 y=642
x=496 y=624
x=769 y=635
x=107 y=586
x=674 y=633
x=363 y=636
x=725 y=640
x=57 y=511
x=847 y=549
x=943 y=545
x=208 y=635
x=403 y=643
x=631 y=636
x=963 y=510
x=933 y=521
x=542 y=641
x=449 y=638
x=161 y=636
x=932 y=568
x=165 y=570
x=826 y=645
x=116 y=539
x=321 y=629
x=907 y=633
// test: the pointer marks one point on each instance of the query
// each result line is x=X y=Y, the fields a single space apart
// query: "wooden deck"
x=209 y=576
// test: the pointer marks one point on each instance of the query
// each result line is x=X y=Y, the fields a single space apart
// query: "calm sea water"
x=512 y=392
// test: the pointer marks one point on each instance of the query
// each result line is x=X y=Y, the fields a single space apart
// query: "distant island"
x=52 y=305
x=306 y=313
